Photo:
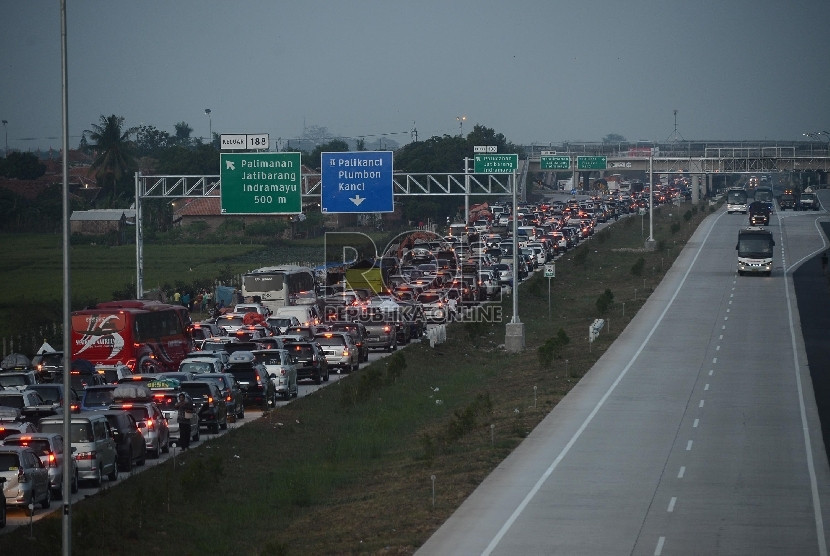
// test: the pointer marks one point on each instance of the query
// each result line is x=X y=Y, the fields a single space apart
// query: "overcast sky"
x=538 y=71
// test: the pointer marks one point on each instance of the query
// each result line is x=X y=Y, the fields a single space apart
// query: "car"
x=208 y=404
x=53 y=393
x=151 y=421
x=26 y=479
x=221 y=354
x=200 y=365
x=129 y=442
x=113 y=373
x=231 y=322
x=281 y=369
x=339 y=350
x=435 y=306
x=48 y=364
x=97 y=398
x=281 y=324
x=51 y=450
x=94 y=451
x=81 y=379
x=18 y=426
x=179 y=376
x=19 y=380
x=166 y=399
x=229 y=388
x=358 y=333
x=311 y=361
x=381 y=333
x=257 y=387
x=31 y=405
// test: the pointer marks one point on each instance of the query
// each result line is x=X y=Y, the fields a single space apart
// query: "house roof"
x=102 y=215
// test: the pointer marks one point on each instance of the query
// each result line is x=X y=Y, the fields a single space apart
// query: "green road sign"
x=260 y=183
x=495 y=163
x=591 y=162
x=555 y=162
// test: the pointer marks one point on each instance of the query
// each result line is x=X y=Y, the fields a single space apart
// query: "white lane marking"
x=672 y=502
x=696 y=423
x=700 y=404
x=532 y=493
x=805 y=426
x=658 y=550
x=706 y=387
x=721 y=336
x=717 y=348
x=714 y=360
x=689 y=446
x=711 y=372
x=682 y=472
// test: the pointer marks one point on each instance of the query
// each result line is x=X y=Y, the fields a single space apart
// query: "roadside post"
x=550 y=272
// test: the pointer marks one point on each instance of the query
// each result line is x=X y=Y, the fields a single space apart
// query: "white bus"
x=280 y=286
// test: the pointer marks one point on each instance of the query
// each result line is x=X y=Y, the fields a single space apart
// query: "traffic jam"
x=146 y=382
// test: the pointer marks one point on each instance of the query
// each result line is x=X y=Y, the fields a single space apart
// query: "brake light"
x=52 y=461
x=210 y=401
x=387 y=328
x=227 y=398
x=150 y=424
x=86 y=455
x=345 y=353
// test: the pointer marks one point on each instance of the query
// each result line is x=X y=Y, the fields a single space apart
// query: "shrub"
x=604 y=301
x=637 y=268
x=552 y=348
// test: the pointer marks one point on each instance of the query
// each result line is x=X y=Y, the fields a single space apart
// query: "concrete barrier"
x=594 y=328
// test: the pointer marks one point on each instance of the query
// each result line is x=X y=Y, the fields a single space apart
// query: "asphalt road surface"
x=697 y=432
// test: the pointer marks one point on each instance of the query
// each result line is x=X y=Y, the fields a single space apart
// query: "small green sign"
x=260 y=183
x=495 y=163
x=547 y=162
x=591 y=162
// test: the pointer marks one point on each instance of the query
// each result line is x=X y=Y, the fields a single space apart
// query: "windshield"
x=754 y=247
x=736 y=197
x=40 y=447
x=98 y=398
x=78 y=432
x=196 y=367
x=10 y=381
x=12 y=401
x=8 y=462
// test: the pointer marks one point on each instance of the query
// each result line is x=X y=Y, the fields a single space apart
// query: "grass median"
x=375 y=463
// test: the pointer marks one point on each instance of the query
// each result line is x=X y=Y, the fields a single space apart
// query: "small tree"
x=604 y=301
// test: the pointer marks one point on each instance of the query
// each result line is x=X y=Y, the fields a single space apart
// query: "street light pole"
x=461 y=124
x=210 y=126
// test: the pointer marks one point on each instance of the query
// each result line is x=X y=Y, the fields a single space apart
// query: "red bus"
x=147 y=336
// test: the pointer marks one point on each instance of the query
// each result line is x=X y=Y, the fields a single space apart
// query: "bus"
x=147 y=336
x=764 y=194
x=755 y=251
x=736 y=200
x=280 y=286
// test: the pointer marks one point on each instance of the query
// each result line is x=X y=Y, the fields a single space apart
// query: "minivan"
x=91 y=436
x=306 y=314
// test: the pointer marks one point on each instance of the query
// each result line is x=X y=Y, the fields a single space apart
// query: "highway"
x=697 y=432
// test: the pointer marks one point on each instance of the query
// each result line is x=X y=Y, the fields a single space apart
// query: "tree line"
x=118 y=151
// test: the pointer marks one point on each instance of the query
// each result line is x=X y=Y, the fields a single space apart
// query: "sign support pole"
x=514 y=340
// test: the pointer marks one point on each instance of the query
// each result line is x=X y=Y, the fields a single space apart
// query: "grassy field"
x=349 y=469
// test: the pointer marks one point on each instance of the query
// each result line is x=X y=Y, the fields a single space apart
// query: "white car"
x=282 y=370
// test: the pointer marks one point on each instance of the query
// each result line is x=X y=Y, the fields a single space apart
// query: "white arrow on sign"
x=357 y=199
x=229 y=165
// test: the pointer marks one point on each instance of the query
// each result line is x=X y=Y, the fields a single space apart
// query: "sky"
x=537 y=71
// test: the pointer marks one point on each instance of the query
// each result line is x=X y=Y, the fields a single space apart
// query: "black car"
x=311 y=361
x=230 y=390
x=257 y=387
x=208 y=403
x=129 y=442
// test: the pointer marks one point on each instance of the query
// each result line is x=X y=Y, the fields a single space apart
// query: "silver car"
x=26 y=479
x=50 y=448
x=282 y=370
x=340 y=350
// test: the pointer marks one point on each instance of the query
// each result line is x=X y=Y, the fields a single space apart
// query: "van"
x=306 y=314
x=92 y=438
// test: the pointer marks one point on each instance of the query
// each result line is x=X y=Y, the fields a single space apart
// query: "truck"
x=759 y=213
x=754 y=248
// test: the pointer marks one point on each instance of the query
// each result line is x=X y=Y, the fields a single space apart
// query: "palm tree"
x=112 y=143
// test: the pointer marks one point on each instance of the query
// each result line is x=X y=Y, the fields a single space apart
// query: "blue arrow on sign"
x=356 y=182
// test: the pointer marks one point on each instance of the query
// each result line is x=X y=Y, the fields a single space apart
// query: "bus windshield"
x=758 y=247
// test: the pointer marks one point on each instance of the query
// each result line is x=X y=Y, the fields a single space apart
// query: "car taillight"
x=150 y=424
x=387 y=328
x=345 y=353
x=86 y=455
x=52 y=461
x=227 y=398
x=210 y=401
